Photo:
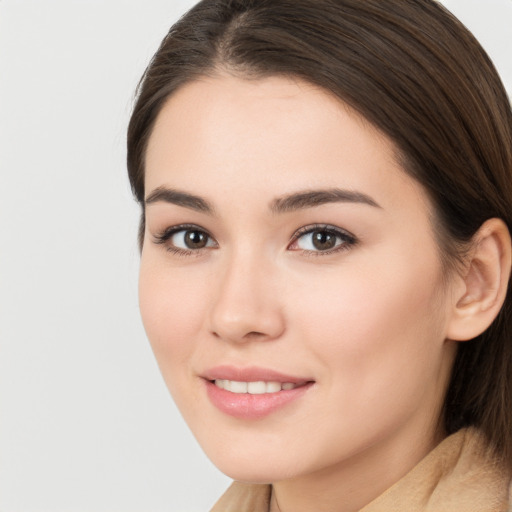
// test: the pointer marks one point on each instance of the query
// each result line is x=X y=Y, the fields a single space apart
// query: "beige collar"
x=459 y=475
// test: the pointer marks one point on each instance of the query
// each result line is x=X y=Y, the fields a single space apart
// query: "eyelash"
x=348 y=240
x=164 y=237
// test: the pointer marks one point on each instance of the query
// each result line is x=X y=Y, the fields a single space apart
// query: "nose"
x=246 y=306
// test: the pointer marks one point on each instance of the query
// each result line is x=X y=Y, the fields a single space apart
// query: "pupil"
x=195 y=239
x=322 y=240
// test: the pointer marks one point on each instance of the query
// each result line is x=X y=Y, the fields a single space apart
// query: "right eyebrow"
x=179 y=198
x=312 y=198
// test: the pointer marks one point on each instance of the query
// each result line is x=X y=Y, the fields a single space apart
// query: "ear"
x=482 y=288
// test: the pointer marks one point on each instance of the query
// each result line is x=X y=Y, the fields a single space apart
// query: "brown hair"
x=416 y=73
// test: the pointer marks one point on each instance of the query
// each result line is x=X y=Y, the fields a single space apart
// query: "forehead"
x=270 y=136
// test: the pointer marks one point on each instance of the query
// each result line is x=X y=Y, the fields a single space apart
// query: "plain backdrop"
x=86 y=423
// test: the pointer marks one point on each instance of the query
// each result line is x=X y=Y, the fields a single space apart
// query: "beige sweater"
x=459 y=475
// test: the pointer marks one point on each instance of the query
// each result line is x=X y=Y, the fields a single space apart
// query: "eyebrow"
x=312 y=198
x=292 y=202
x=179 y=198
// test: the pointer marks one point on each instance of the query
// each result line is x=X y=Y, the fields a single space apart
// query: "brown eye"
x=185 y=239
x=323 y=240
x=195 y=239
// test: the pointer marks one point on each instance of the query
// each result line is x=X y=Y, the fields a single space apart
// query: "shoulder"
x=242 y=497
x=461 y=473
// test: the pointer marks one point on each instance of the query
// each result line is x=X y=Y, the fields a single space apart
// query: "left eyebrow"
x=312 y=198
x=179 y=198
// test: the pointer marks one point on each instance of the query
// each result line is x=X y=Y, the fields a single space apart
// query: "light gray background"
x=85 y=420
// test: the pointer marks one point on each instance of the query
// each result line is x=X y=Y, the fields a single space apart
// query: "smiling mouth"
x=256 y=387
x=252 y=393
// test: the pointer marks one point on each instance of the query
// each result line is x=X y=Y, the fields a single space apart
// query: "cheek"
x=173 y=312
x=378 y=326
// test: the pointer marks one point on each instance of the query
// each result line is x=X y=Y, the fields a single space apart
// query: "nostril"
x=254 y=334
x=249 y=336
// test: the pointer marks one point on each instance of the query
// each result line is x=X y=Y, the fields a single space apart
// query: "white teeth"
x=273 y=387
x=236 y=387
x=220 y=383
x=256 y=388
x=253 y=388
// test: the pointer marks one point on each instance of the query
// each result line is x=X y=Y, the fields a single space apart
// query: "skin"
x=367 y=323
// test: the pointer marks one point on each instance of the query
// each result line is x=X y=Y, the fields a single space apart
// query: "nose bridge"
x=247 y=304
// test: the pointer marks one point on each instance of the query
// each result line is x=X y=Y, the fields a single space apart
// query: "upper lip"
x=251 y=374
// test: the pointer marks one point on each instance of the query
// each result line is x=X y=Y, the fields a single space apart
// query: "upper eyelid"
x=163 y=235
x=321 y=227
x=184 y=227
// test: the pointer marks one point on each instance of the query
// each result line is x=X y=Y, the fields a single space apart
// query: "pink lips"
x=252 y=406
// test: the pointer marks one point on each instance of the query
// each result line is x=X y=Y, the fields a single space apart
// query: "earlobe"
x=484 y=284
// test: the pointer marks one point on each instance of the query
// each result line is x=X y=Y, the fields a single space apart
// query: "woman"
x=326 y=192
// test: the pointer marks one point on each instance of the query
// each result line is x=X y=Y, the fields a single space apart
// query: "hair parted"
x=416 y=73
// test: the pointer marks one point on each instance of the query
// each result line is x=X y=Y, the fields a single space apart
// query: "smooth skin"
x=348 y=293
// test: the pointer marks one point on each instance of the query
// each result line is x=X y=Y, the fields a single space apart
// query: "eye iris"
x=323 y=240
x=195 y=239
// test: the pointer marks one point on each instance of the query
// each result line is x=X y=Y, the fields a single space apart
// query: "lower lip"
x=252 y=407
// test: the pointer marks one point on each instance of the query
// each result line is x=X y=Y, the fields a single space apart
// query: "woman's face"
x=290 y=284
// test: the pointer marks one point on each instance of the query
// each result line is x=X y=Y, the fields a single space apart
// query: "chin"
x=262 y=467
x=244 y=471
